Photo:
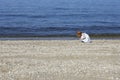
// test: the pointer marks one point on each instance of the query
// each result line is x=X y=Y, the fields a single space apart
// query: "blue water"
x=58 y=17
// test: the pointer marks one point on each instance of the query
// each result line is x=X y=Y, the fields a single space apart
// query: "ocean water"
x=58 y=17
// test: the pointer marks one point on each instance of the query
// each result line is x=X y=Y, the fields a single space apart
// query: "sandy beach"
x=59 y=60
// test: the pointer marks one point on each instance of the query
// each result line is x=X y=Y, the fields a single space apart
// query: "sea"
x=55 y=18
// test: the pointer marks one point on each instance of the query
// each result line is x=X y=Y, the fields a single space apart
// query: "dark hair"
x=79 y=34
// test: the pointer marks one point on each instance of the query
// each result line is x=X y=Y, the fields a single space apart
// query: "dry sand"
x=59 y=60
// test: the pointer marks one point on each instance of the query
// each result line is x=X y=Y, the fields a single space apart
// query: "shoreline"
x=59 y=37
x=2 y=39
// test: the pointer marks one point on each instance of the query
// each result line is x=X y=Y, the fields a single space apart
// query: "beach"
x=59 y=60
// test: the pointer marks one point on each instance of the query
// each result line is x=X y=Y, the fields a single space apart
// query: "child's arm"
x=83 y=37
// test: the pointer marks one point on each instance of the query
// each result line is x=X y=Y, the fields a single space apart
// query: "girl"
x=84 y=37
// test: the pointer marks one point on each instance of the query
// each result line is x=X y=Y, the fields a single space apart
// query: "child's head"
x=79 y=34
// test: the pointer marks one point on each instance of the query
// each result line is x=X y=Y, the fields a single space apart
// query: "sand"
x=59 y=60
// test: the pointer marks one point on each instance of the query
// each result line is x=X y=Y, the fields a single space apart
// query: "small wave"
x=25 y=15
x=104 y=22
x=57 y=29
x=37 y=16
x=13 y=15
x=77 y=15
x=45 y=16
x=62 y=8
x=14 y=29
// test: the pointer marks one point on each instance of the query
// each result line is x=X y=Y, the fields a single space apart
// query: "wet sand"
x=59 y=60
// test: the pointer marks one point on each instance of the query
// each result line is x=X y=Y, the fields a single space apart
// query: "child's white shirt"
x=85 y=38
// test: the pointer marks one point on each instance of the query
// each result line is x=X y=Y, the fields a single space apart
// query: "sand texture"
x=59 y=60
